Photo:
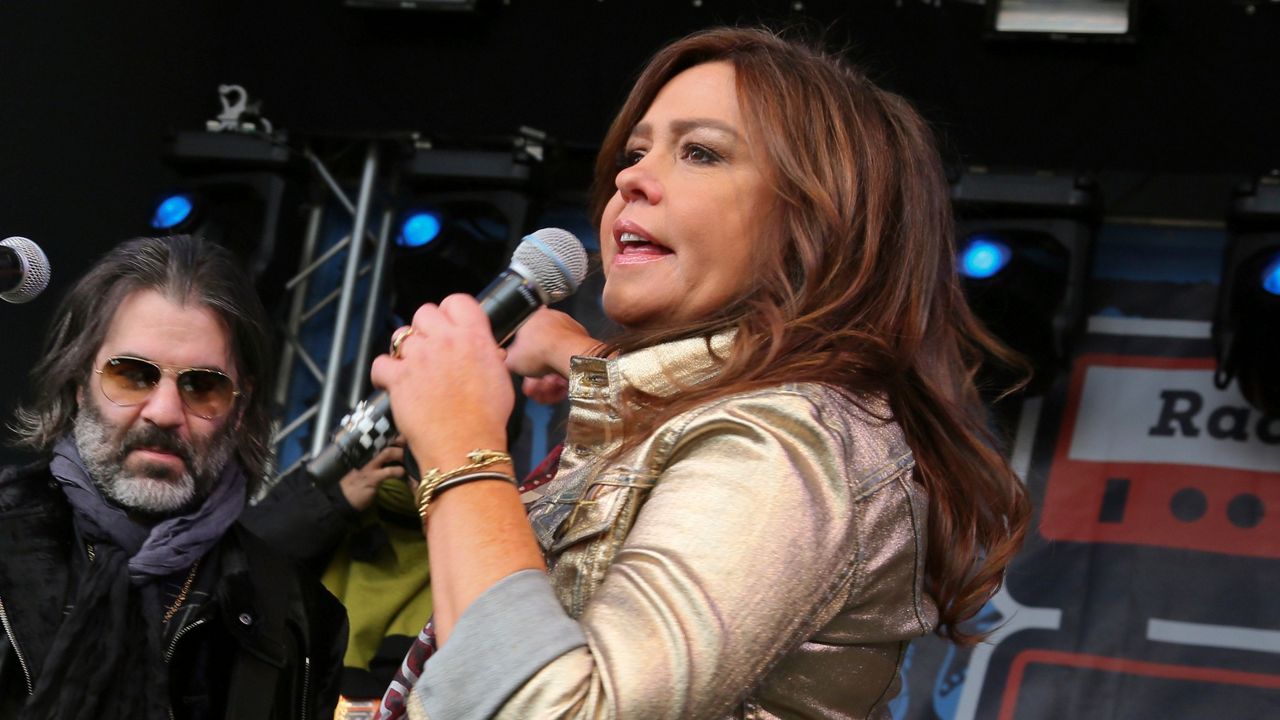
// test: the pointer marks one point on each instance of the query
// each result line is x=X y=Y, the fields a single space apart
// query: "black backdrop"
x=90 y=89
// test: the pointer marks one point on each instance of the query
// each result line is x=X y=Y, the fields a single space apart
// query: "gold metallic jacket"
x=760 y=556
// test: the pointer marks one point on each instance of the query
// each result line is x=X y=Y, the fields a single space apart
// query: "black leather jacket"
x=266 y=644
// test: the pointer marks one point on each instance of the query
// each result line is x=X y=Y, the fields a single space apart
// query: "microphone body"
x=24 y=270
x=547 y=267
x=508 y=301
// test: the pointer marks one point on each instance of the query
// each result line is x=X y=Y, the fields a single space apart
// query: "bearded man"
x=127 y=587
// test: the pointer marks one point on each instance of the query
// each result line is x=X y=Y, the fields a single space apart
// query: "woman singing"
x=778 y=476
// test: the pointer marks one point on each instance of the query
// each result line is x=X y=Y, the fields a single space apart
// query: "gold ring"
x=398 y=338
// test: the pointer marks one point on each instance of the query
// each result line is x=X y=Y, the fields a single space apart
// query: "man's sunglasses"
x=129 y=381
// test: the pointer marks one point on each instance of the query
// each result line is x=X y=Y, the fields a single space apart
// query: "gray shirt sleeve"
x=509 y=633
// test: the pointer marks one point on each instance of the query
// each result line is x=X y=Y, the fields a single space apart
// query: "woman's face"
x=679 y=238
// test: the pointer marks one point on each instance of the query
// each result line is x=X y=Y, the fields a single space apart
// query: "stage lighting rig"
x=1246 y=325
x=1063 y=20
x=173 y=212
x=419 y=228
x=233 y=182
x=464 y=207
x=1023 y=247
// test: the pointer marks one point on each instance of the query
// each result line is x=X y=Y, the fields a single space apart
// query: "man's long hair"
x=855 y=287
x=186 y=270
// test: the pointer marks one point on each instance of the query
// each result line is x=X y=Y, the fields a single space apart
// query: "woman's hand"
x=360 y=486
x=541 y=353
x=450 y=392
x=547 y=390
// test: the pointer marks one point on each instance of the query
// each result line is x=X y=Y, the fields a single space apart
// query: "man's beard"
x=150 y=488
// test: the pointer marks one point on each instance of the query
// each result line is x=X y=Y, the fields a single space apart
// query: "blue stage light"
x=172 y=212
x=1271 y=276
x=418 y=229
x=983 y=257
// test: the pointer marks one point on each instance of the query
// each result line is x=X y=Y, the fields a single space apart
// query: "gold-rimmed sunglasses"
x=129 y=381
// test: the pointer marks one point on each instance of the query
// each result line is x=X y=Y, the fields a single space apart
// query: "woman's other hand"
x=546 y=342
x=547 y=390
x=450 y=392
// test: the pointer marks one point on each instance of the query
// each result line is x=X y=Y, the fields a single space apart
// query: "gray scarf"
x=174 y=544
x=105 y=661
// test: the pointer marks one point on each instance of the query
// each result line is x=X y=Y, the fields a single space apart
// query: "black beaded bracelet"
x=463 y=479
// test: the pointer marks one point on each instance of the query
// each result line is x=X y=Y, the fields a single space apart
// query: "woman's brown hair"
x=857 y=287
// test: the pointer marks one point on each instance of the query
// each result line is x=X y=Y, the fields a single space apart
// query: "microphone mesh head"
x=553 y=260
x=35 y=270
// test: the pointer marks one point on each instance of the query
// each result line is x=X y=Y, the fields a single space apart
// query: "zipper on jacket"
x=173 y=644
x=13 y=640
x=306 y=686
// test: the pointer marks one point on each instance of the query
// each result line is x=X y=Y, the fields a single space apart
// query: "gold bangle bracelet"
x=432 y=479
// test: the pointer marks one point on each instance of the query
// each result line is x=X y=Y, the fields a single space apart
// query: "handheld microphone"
x=24 y=270
x=546 y=267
